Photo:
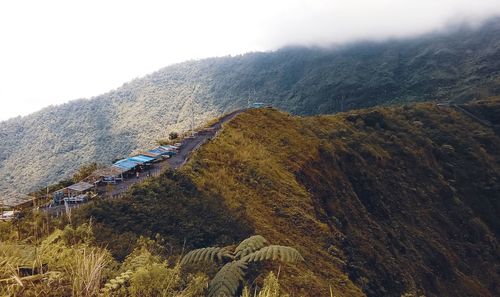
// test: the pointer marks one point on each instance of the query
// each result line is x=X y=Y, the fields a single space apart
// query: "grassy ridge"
x=252 y=165
x=379 y=202
x=399 y=199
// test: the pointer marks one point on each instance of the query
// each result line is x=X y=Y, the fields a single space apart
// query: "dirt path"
x=189 y=145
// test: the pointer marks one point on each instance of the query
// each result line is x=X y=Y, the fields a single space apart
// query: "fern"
x=250 y=245
x=116 y=283
x=138 y=258
x=206 y=254
x=227 y=281
x=253 y=249
x=274 y=252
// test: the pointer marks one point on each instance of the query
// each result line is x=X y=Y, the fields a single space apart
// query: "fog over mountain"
x=65 y=50
x=44 y=147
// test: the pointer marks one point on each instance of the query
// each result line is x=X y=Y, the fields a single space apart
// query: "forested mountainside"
x=41 y=148
x=392 y=201
x=379 y=202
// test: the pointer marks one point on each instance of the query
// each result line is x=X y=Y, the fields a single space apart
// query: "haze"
x=55 y=51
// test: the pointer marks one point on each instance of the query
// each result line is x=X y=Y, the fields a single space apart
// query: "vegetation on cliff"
x=402 y=200
x=379 y=202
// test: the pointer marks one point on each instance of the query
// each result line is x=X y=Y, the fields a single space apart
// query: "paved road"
x=189 y=145
x=192 y=143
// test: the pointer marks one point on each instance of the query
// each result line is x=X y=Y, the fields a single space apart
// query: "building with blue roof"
x=164 y=150
x=141 y=159
x=126 y=164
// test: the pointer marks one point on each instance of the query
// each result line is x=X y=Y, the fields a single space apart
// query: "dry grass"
x=252 y=164
x=270 y=288
x=294 y=177
x=86 y=272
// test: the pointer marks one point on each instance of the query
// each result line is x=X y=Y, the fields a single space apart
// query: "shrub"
x=173 y=135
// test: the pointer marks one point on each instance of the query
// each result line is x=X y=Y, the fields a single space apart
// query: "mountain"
x=458 y=65
x=393 y=201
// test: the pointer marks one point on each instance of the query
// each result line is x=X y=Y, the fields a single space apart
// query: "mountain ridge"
x=383 y=201
x=463 y=65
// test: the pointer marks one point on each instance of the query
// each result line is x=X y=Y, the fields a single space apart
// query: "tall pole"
x=192 y=110
x=192 y=116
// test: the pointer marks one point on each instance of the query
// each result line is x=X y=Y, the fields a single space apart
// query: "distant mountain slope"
x=52 y=143
x=380 y=202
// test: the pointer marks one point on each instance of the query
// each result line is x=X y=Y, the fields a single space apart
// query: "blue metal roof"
x=141 y=159
x=154 y=152
x=159 y=150
x=151 y=152
x=258 y=104
x=123 y=167
x=126 y=164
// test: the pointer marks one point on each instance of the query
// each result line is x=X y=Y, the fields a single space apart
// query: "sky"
x=52 y=52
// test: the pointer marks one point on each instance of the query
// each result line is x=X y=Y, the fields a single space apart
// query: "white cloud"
x=55 y=51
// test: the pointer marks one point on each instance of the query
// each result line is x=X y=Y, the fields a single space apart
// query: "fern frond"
x=226 y=282
x=250 y=245
x=274 y=252
x=115 y=283
x=205 y=255
x=138 y=258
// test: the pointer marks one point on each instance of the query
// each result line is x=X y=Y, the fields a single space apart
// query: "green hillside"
x=457 y=65
x=403 y=200
x=379 y=202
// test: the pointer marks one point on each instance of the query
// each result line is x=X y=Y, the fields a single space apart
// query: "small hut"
x=142 y=160
x=76 y=193
x=126 y=164
x=257 y=105
x=110 y=174
x=157 y=157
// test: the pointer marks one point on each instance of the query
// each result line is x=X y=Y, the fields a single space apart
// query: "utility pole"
x=192 y=116
x=192 y=111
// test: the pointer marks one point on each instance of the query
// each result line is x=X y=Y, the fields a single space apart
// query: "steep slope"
x=380 y=202
x=462 y=65
x=403 y=200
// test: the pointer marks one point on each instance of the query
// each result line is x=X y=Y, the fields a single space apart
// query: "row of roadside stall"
x=122 y=169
